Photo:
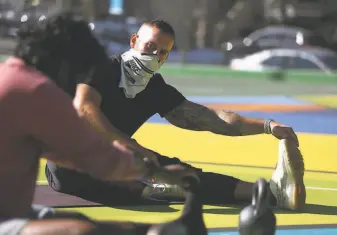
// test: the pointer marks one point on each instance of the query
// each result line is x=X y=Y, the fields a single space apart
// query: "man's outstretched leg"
x=287 y=188
x=216 y=188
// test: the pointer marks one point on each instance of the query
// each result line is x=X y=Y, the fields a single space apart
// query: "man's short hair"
x=162 y=25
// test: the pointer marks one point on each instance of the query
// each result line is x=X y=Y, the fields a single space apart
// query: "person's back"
x=31 y=107
x=19 y=152
x=37 y=117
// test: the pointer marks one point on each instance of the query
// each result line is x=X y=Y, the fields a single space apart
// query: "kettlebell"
x=258 y=218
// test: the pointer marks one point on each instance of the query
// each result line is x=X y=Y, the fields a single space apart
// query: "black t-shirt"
x=128 y=114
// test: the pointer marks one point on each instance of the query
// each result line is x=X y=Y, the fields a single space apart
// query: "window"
x=268 y=41
x=276 y=40
x=276 y=61
x=290 y=62
x=300 y=63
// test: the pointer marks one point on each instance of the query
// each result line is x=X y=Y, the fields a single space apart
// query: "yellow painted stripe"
x=325 y=100
x=319 y=151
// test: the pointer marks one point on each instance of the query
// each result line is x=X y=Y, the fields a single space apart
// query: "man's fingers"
x=118 y=145
x=286 y=132
x=174 y=174
x=176 y=167
x=180 y=170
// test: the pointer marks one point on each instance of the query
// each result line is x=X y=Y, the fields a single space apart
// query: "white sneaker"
x=287 y=182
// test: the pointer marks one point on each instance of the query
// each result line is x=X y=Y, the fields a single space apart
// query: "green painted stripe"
x=223 y=72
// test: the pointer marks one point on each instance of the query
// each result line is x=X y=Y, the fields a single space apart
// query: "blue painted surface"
x=248 y=100
x=321 y=231
x=319 y=122
x=324 y=122
x=316 y=122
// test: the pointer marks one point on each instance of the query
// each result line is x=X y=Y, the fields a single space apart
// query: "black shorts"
x=217 y=188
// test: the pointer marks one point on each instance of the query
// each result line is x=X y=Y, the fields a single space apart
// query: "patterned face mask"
x=137 y=70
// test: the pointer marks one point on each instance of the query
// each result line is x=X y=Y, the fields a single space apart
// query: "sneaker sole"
x=291 y=155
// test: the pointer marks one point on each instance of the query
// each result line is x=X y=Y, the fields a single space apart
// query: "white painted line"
x=322 y=189
x=309 y=187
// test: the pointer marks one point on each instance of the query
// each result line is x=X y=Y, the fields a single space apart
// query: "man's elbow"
x=233 y=120
x=229 y=117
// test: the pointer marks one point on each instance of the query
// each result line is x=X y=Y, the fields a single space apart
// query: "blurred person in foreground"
x=127 y=90
x=38 y=117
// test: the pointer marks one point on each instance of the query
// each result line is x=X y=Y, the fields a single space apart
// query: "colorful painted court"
x=313 y=118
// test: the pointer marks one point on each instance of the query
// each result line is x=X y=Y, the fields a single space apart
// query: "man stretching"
x=127 y=90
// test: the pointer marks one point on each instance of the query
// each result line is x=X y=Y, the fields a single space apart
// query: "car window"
x=277 y=36
x=276 y=40
x=267 y=40
x=275 y=61
x=301 y=63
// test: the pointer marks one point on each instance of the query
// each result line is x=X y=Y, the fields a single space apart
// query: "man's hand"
x=281 y=131
x=136 y=147
x=145 y=167
x=150 y=155
x=175 y=174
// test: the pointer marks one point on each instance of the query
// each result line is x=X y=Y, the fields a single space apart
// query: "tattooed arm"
x=197 y=117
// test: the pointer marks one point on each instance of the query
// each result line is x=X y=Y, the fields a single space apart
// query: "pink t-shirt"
x=36 y=115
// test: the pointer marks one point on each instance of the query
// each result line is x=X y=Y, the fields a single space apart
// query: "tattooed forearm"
x=196 y=117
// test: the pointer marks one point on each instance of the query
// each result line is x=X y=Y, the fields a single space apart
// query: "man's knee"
x=64 y=180
x=54 y=181
x=51 y=179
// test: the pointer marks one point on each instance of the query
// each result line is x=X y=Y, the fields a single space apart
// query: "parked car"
x=272 y=37
x=278 y=59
